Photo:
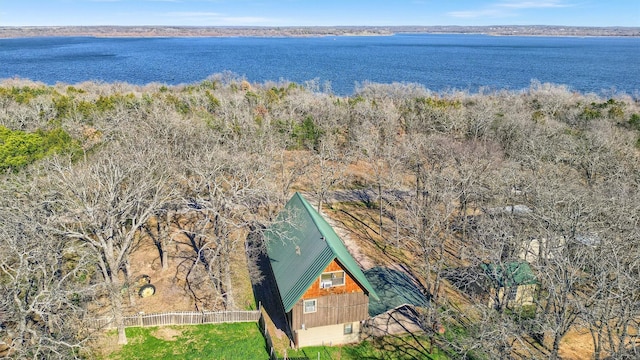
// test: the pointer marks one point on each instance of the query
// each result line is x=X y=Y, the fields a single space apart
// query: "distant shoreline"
x=308 y=31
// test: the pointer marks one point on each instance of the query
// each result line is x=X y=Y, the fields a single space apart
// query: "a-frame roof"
x=300 y=245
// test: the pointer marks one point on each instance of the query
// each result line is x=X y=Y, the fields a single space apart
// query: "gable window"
x=331 y=279
x=310 y=306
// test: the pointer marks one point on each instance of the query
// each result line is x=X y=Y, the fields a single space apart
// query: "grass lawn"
x=219 y=341
x=387 y=348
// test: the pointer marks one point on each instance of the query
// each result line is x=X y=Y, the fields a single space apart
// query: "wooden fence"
x=192 y=318
x=267 y=338
x=178 y=318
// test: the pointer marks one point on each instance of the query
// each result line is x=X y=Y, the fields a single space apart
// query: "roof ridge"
x=314 y=214
x=311 y=212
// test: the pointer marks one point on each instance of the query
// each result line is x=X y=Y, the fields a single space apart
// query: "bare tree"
x=332 y=168
x=568 y=216
x=103 y=202
x=225 y=196
x=612 y=289
x=377 y=145
x=44 y=281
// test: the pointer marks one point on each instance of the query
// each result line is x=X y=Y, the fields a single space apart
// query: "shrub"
x=19 y=148
x=590 y=114
x=23 y=95
x=634 y=121
x=307 y=134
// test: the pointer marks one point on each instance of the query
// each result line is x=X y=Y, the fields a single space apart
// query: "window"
x=348 y=328
x=310 y=306
x=331 y=279
x=513 y=293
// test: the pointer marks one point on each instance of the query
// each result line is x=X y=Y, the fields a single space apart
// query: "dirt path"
x=355 y=251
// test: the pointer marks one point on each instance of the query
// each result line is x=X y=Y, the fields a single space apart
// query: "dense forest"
x=455 y=180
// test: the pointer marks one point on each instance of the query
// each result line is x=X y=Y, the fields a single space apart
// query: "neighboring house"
x=534 y=250
x=510 y=284
x=323 y=291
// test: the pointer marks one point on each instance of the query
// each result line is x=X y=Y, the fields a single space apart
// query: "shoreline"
x=8 y=32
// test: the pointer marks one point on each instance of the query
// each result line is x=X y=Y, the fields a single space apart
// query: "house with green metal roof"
x=323 y=291
x=511 y=284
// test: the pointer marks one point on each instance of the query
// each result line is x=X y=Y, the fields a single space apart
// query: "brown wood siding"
x=350 y=285
x=331 y=310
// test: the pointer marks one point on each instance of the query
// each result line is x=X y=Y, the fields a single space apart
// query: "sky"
x=319 y=12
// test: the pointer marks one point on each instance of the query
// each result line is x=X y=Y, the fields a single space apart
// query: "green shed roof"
x=300 y=245
x=510 y=274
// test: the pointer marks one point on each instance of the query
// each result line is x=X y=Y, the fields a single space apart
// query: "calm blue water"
x=439 y=62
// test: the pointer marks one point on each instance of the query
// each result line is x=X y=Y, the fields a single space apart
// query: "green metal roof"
x=300 y=245
x=510 y=274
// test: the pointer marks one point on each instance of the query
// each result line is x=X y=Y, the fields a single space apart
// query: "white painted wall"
x=327 y=335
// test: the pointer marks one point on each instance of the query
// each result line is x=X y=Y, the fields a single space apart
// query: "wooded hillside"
x=306 y=31
x=458 y=180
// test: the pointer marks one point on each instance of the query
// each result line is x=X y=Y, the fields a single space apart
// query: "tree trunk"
x=229 y=299
x=164 y=243
x=116 y=308
x=380 y=208
x=395 y=215
x=131 y=288
x=122 y=336
x=596 y=346
x=164 y=257
x=556 y=347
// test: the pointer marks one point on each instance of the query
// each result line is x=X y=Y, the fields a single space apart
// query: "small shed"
x=512 y=283
x=394 y=288
x=398 y=308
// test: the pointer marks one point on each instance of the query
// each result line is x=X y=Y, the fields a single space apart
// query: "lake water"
x=439 y=62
